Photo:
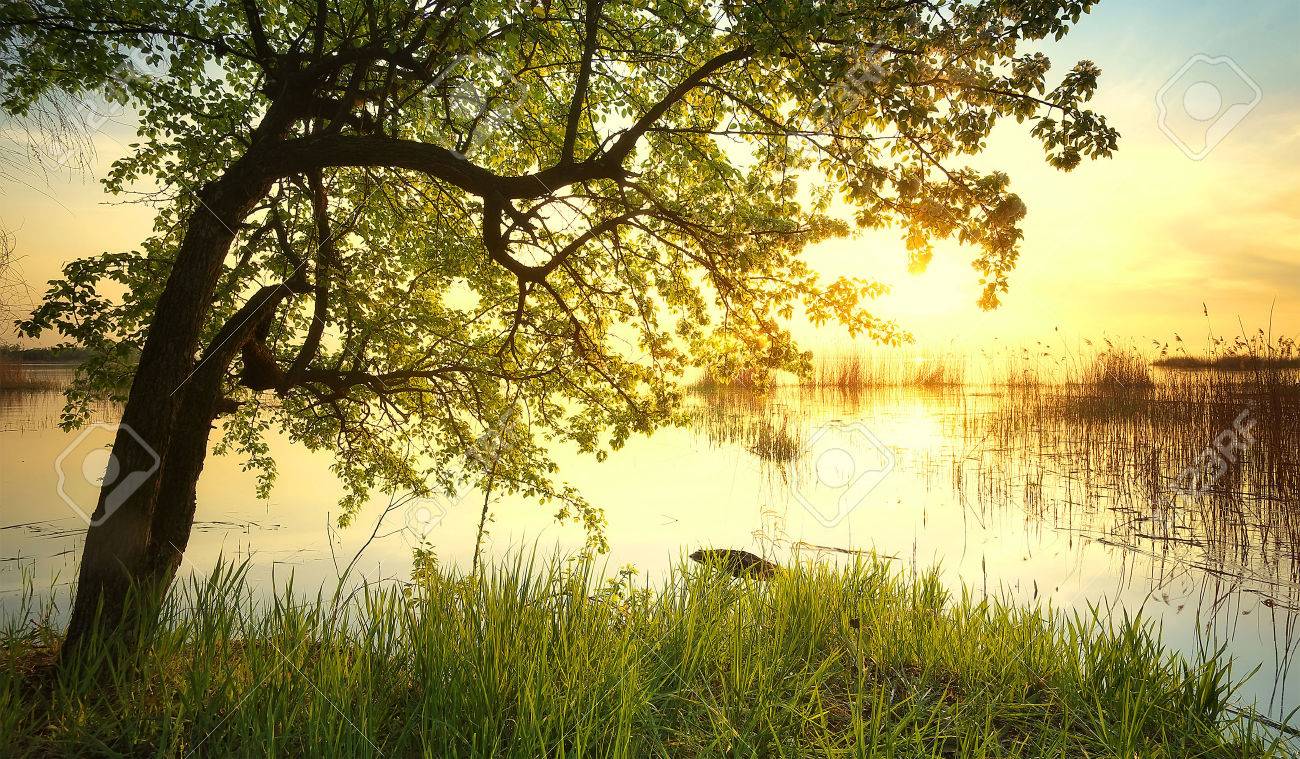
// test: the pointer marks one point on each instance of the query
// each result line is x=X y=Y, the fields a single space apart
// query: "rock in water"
x=736 y=562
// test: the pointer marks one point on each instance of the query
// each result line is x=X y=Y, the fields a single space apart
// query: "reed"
x=752 y=380
x=15 y=376
x=1115 y=369
x=727 y=416
x=1258 y=351
x=543 y=659
x=1204 y=458
x=11 y=371
x=862 y=371
x=1205 y=463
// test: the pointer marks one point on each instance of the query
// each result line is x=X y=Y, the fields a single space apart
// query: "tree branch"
x=326 y=255
x=622 y=147
x=260 y=45
x=584 y=78
x=304 y=154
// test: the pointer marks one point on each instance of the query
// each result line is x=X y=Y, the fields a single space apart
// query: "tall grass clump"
x=1029 y=367
x=857 y=371
x=16 y=377
x=539 y=659
x=11 y=371
x=734 y=379
x=1116 y=369
x=1217 y=453
x=1264 y=367
x=1260 y=350
x=737 y=417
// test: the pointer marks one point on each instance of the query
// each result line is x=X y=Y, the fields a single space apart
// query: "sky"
x=1135 y=247
x=1199 y=209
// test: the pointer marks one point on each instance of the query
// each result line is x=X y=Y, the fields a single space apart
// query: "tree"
x=382 y=224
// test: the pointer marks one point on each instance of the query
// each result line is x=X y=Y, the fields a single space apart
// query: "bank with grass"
x=536 y=659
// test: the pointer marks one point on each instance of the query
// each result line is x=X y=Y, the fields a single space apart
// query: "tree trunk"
x=154 y=445
x=174 y=516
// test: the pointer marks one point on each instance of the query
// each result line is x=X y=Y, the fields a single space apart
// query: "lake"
x=1017 y=491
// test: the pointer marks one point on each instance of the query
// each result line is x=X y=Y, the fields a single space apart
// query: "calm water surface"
x=953 y=479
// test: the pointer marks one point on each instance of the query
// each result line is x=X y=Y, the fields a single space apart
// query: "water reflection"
x=1035 y=492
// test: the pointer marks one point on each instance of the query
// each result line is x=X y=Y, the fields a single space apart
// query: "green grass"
x=533 y=661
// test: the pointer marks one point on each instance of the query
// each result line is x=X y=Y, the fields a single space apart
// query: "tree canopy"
x=460 y=208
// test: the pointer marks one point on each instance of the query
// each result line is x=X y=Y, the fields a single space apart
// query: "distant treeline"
x=1228 y=362
x=65 y=355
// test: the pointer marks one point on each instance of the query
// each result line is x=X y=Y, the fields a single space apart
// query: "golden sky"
x=1129 y=247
